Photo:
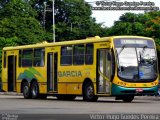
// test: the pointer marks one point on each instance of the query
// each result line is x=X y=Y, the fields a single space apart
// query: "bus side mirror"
x=109 y=57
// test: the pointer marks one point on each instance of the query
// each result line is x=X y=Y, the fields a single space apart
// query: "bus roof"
x=87 y=40
x=132 y=37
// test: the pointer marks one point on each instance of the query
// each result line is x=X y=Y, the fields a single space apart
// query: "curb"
x=11 y=93
x=148 y=98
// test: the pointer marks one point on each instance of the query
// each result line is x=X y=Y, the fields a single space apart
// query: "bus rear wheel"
x=35 y=90
x=26 y=90
x=128 y=98
x=88 y=94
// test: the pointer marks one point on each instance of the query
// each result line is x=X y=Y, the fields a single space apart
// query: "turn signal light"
x=122 y=83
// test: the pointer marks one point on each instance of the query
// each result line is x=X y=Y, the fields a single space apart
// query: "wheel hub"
x=26 y=90
x=90 y=91
x=34 y=91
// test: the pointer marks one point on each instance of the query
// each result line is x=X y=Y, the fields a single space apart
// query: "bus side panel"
x=18 y=87
x=32 y=73
x=4 y=73
x=4 y=87
x=62 y=88
x=73 y=77
x=4 y=80
x=42 y=88
x=74 y=88
x=68 y=79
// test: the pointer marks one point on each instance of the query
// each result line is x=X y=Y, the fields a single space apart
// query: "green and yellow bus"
x=120 y=66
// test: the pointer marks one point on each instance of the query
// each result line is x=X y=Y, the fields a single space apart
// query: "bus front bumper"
x=119 y=90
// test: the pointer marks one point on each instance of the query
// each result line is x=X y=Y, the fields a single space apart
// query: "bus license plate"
x=139 y=90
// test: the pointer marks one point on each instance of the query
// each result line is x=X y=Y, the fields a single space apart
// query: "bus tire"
x=26 y=90
x=128 y=98
x=89 y=92
x=35 y=90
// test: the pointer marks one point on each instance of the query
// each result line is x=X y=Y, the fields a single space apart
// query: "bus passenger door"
x=103 y=71
x=12 y=73
x=52 y=59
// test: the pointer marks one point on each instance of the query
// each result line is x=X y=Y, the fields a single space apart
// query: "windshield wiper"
x=144 y=48
x=117 y=56
x=121 y=50
x=142 y=54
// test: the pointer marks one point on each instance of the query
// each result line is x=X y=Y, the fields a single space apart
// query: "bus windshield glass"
x=136 y=59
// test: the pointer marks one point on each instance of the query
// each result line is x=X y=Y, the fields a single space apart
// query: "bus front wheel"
x=26 y=90
x=128 y=98
x=88 y=94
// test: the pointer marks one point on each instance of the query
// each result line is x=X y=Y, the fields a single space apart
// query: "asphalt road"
x=17 y=105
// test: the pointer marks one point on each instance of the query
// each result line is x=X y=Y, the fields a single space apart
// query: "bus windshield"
x=136 y=60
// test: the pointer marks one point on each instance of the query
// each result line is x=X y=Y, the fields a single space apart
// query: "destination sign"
x=128 y=41
x=133 y=42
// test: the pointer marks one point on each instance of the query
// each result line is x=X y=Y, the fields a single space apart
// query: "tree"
x=17 y=19
x=153 y=26
x=129 y=24
x=72 y=19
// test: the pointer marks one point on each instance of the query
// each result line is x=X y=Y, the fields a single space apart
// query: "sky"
x=107 y=17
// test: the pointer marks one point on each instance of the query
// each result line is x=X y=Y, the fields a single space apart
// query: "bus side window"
x=27 y=58
x=66 y=55
x=38 y=60
x=4 y=59
x=89 y=54
x=78 y=55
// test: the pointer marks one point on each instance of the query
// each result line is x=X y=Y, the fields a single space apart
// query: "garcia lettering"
x=69 y=74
